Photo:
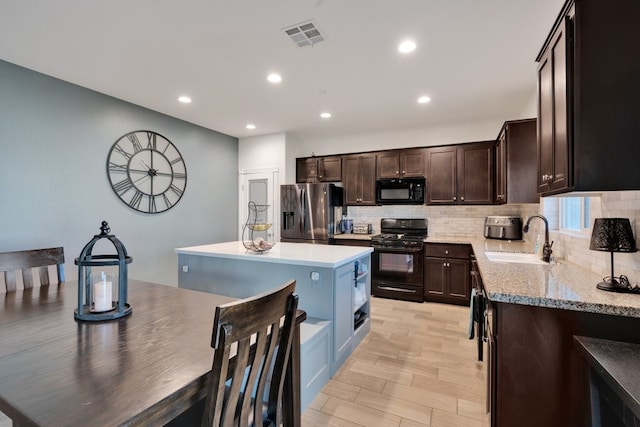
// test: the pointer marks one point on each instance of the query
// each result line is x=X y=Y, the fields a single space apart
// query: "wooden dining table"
x=143 y=369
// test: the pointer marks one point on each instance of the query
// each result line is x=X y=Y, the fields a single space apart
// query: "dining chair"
x=257 y=333
x=26 y=261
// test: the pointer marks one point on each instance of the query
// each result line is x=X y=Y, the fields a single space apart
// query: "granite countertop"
x=617 y=364
x=560 y=285
x=283 y=253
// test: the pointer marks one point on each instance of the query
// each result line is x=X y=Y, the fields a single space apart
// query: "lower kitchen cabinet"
x=447 y=273
x=540 y=378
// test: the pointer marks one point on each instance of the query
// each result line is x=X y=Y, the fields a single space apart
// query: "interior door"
x=260 y=186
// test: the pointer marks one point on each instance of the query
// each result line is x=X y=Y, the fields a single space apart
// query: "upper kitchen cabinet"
x=461 y=174
x=516 y=174
x=359 y=179
x=589 y=99
x=319 y=169
x=401 y=163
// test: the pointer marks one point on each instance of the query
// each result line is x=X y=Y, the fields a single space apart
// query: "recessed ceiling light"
x=250 y=126
x=325 y=115
x=274 y=78
x=407 y=46
x=184 y=99
x=424 y=99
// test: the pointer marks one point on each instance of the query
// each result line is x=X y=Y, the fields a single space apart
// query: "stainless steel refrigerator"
x=311 y=213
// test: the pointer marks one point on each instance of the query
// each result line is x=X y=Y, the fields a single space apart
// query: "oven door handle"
x=397 y=250
x=394 y=289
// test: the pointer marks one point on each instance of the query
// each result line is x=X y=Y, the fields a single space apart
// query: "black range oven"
x=397 y=262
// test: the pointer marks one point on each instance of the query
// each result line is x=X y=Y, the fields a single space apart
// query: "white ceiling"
x=475 y=58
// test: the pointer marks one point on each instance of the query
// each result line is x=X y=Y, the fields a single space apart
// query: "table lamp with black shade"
x=613 y=235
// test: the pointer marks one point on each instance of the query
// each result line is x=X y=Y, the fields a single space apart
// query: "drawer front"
x=447 y=250
x=401 y=291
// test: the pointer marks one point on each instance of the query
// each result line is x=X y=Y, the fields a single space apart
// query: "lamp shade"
x=612 y=235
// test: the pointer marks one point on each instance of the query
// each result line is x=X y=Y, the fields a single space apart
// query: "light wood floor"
x=416 y=367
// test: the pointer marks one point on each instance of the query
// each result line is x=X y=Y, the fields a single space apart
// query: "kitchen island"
x=536 y=374
x=332 y=283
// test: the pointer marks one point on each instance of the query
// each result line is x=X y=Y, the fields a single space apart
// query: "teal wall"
x=54 y=190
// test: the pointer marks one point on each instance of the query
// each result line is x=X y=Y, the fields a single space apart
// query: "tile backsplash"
x=454 y=221
x=468 y=221
x=574 y=248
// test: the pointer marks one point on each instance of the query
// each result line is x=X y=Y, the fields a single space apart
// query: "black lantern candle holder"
x=96 y=287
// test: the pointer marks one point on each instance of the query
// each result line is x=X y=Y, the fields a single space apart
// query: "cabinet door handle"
x=462 y=198
x=446 y=252
x=455 y=198
x=397 y=172
x=403 y=172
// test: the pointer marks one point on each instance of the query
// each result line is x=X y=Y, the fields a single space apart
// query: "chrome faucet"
x=546 y=249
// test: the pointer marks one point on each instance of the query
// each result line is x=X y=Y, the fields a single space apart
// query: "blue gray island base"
x=334 y=289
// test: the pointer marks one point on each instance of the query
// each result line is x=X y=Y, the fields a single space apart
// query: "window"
x=574 y=213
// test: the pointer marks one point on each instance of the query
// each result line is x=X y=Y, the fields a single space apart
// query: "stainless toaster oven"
x=503 y=227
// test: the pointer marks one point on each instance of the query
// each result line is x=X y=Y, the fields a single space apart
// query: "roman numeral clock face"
x=146 y=171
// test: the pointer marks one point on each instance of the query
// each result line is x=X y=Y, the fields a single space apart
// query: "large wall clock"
x=146 y=171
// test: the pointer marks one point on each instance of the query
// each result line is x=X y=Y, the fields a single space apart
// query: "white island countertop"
x=330 y=256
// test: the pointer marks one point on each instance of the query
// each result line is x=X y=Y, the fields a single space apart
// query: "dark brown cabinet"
x=447 y=273
x=461 y=174
x=588 y=99
x=540 y=374
x=554 y=91
x=516 y=172
x=401 y=163
x=319 y=169
x=359 y=179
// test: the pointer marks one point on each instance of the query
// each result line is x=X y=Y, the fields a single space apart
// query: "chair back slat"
x=27 y=278
x=261 y=330
x=10 y=281
x=25 y=261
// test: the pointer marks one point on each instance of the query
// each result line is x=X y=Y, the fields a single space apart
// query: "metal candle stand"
x=85 y=262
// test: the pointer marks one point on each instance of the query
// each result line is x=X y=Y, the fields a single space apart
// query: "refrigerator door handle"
x=303 y=210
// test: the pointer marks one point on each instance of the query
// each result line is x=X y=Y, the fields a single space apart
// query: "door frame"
x=272 y=175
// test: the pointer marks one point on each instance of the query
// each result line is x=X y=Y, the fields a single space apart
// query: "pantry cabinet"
x=461 y=174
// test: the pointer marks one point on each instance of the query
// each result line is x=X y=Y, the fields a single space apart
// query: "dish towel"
x=472 y=310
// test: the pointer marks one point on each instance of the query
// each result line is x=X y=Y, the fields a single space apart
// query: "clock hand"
x=150 y=170
x=139 y=171
x=141 y=178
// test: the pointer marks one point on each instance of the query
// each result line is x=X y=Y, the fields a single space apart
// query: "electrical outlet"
x=185 y=268
x=315 y=276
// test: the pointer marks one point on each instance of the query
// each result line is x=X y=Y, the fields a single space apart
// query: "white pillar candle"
x=102 y=295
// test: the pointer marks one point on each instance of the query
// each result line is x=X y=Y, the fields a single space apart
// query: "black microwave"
x=400 y=191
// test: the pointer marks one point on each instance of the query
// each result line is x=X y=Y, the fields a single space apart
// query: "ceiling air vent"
x=305 y=34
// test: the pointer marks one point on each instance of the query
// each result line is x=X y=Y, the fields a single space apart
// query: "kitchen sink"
x=521 y=258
